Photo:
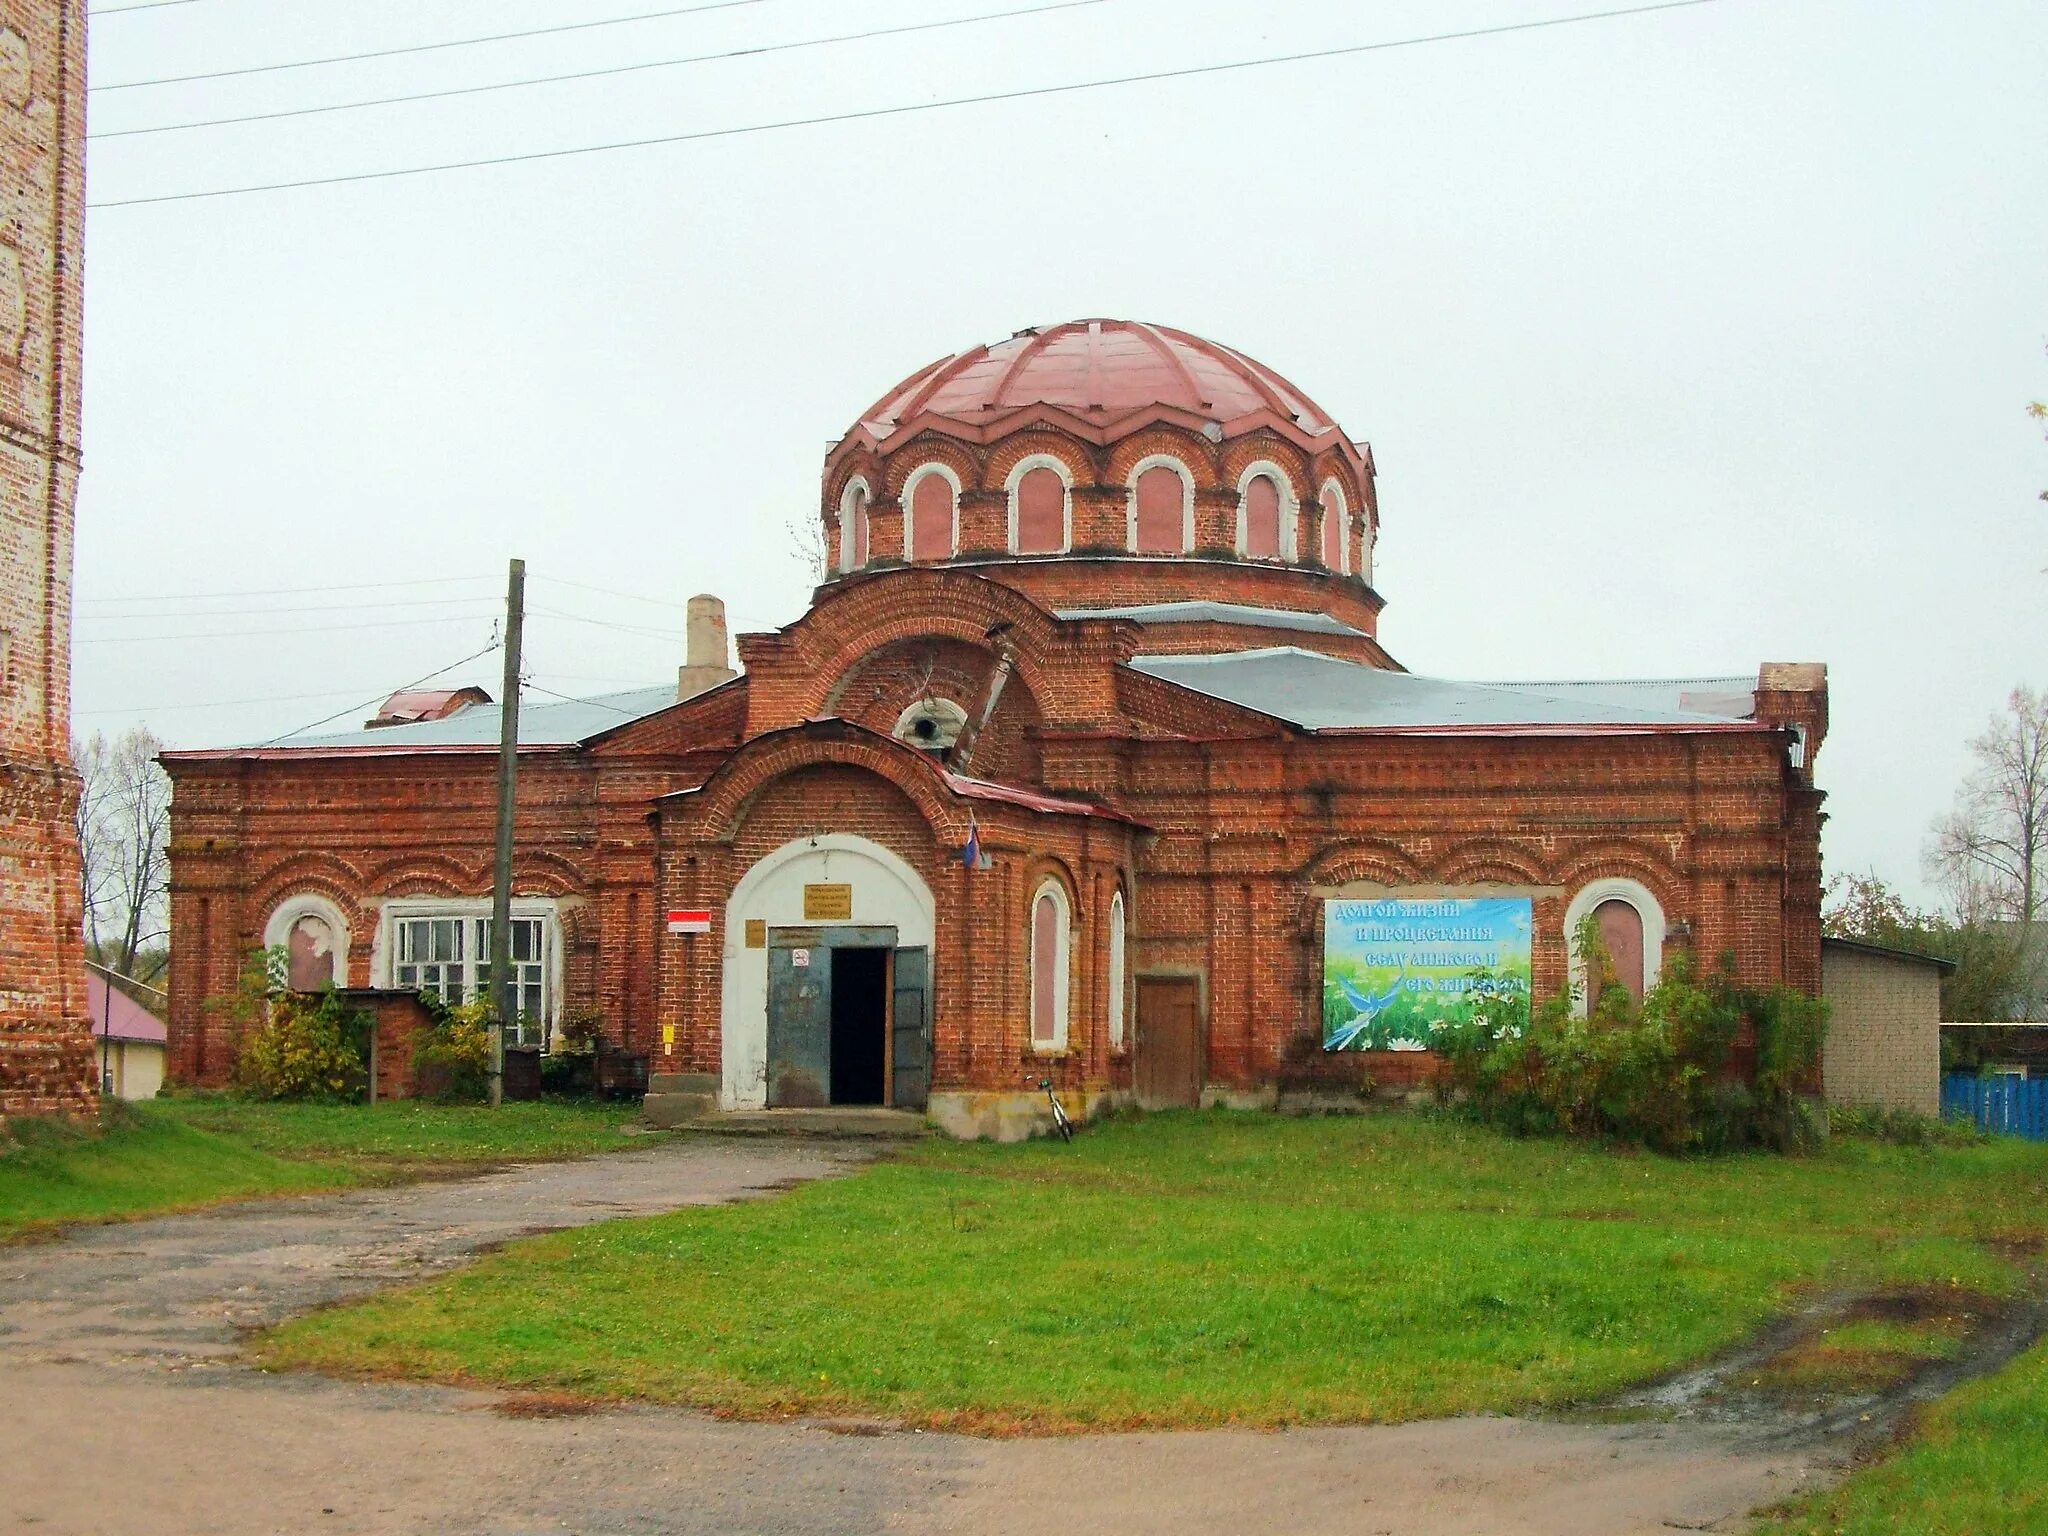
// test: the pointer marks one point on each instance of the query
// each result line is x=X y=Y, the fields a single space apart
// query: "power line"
x=631 y=629
x=154 y=708
x=378 y=698
x=827 y=119
x=145 y=5
x=329 y=586
x=294 y=629
x=236 y=613
x=532 y=687
x=593 y=74
x=453 y=42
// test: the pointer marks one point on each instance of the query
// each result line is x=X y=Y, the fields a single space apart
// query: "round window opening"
x=932 y=725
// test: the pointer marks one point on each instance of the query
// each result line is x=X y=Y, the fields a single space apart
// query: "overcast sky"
x=1684 y=341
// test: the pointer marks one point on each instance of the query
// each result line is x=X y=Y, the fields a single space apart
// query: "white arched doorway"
x=886 y=892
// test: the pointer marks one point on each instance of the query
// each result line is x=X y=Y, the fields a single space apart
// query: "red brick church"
x=1083 y=740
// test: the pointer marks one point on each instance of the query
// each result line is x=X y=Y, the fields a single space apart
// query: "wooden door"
x=910 y=1030
x=1169 y=1043
x=799 y=1026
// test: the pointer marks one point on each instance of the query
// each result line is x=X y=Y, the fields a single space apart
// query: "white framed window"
x=1041 y=506
x=1160 y=517
x=1051 y=939
x=853 y=525
x=1117 y=985
x=931 y=513
x=1336 y=528
x=445 y=948
x=1267 y=513
x=1632 y=927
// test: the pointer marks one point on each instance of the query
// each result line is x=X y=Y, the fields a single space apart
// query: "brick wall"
x=46 y=1057
x=1884 y=1030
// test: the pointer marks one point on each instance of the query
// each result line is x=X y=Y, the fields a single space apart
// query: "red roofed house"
x=127 y=1041
x=1086 y=762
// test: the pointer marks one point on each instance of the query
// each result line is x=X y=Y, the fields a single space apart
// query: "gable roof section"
x=1325 y=694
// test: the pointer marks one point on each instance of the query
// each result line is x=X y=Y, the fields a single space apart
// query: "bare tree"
x=124 y=830
x=1991 y=850
x=809 y=546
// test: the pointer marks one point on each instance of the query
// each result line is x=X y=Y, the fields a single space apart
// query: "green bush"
x=451 y=1060
x=295 y=1045
x=1655 y=1073
x=1901 y=1127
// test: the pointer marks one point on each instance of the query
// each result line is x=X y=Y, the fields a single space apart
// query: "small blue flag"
x=971 y=854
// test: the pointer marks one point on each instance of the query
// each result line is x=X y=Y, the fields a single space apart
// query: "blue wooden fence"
x=2004 y=1106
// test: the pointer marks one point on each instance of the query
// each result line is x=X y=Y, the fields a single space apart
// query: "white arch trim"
x=887 y=892
x=1187 y=500
x=1334 y=505
x=277 y=930
x=1290 y=506
x=1581 y=906
x=1062 y=965
x=847 y=542
x=1023 y=467
x=1119 y=971
x=909 y=499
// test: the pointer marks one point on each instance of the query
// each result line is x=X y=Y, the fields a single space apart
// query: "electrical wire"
x=296 y=608
x=145 y=5
x=631 y=629
x=155 y=708
x=529 y=686
x=331 y=586
x=593 y=74
x=1026 y=93
x=378 y=698
x=454 y=42
x=294 y=629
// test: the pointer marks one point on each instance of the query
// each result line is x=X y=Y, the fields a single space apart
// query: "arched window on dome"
x=931 y=514
x=1051 y=925
x=1336 y=528
x=1162 y=513
x=1265 y=514
x=1631 y=927
x=1041 y=507
x=853 y=525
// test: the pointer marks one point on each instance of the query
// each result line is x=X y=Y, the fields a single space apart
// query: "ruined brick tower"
x=46 y=1061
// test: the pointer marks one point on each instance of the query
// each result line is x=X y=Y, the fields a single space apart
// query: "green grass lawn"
x=1198 y=1269
x=173 y=1154
x=1979 y=1464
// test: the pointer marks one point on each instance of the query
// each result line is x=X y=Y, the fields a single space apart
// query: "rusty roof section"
x=1110 y=377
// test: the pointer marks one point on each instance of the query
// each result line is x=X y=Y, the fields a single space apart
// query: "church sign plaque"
x=828 y=903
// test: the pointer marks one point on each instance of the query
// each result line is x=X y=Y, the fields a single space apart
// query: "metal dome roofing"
x=1105 y=377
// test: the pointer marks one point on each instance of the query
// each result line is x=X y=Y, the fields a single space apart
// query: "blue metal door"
x=799 y=1026
x=910 y=1030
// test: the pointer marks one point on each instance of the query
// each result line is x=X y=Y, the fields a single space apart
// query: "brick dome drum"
x=1107 y=463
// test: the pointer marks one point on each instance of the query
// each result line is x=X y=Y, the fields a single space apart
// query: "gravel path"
x=132 y=1414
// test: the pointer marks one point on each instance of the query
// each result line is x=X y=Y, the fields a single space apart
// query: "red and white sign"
x=689 y=920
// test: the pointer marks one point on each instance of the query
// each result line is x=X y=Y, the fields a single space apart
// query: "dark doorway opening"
x=860 y=1025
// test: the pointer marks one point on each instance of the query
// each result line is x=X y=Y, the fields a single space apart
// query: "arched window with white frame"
x=1161 y=519
x=1631 y=928
x=1052 y=923
x=931 y=513
x=1117 y=985
x=1336 y=528
x=1041 y=506
x=1266 y=513
x=853 y=525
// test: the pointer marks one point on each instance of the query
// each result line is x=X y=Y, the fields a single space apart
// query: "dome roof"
x=1109 y=375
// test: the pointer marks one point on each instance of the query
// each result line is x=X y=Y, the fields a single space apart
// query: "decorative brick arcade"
x=46 y=1059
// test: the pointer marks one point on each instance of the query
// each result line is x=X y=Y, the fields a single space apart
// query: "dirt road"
x=132 y=1416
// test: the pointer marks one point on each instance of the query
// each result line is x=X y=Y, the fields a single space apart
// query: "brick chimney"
x=704 y=662
x=1795 y=694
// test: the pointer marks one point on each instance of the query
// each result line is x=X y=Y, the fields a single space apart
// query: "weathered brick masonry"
x=921 y=703
x=45 y=1045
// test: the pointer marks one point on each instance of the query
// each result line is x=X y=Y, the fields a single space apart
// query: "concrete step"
x=864 y=1122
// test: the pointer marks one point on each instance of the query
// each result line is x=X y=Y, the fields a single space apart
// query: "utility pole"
x=508 y=790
